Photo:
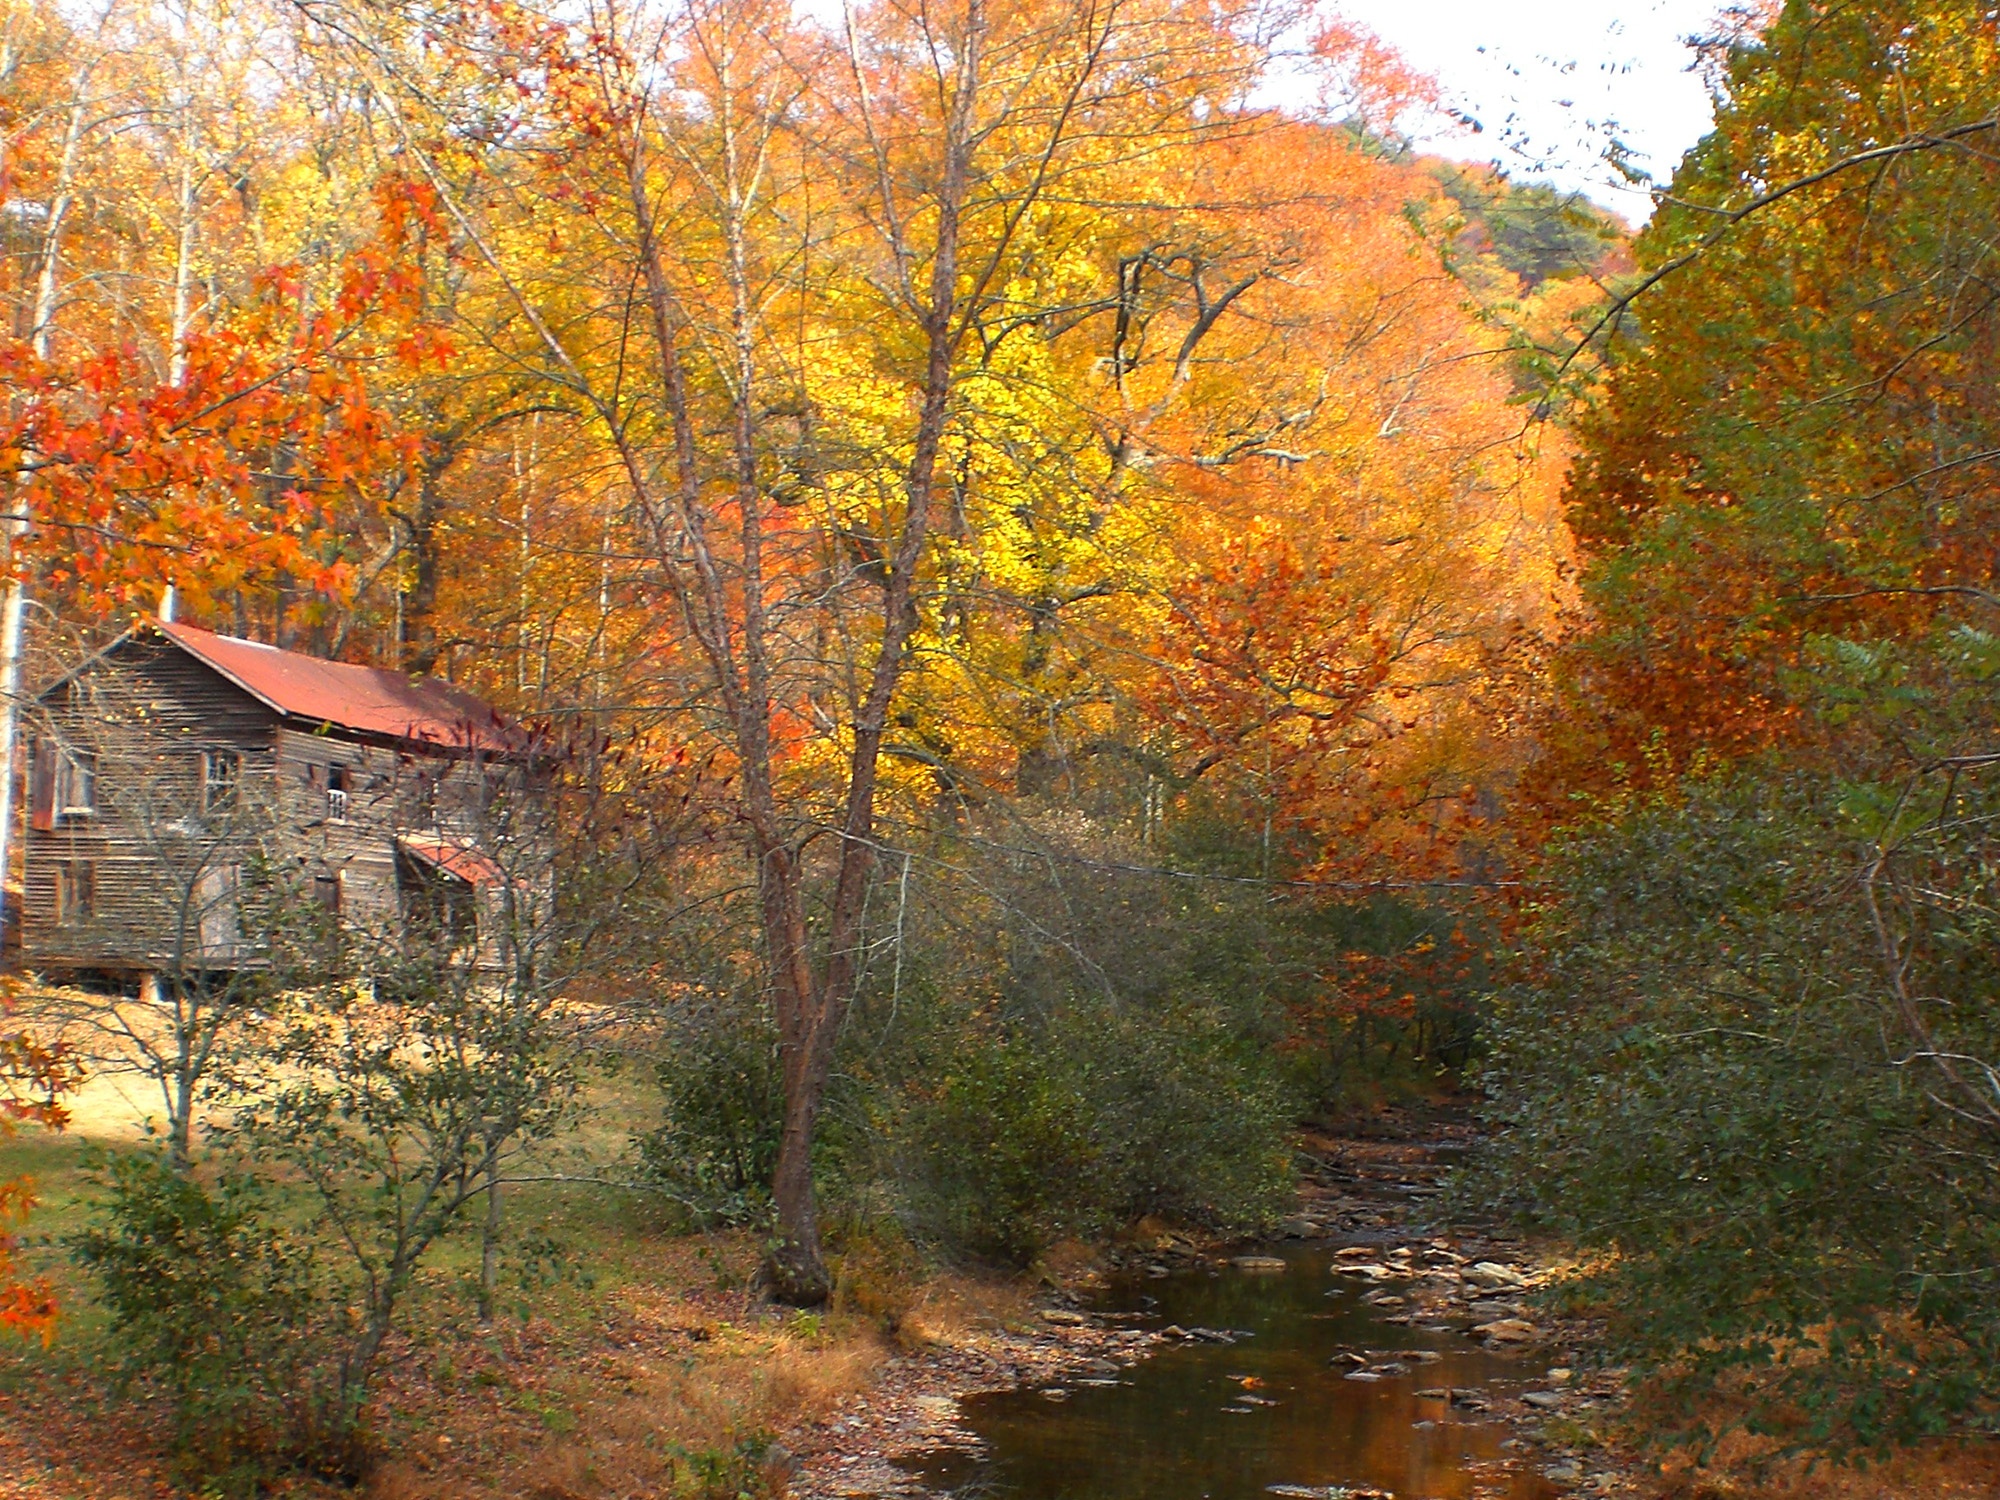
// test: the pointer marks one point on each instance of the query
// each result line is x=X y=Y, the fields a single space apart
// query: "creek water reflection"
x=1203 y=1421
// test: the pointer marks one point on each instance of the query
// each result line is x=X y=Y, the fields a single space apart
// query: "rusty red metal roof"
x=363 y=700
x=459 y=860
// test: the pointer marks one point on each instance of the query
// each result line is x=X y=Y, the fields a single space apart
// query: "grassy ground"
x=660 y=1376
x=639 y=1363
x=635 y=1361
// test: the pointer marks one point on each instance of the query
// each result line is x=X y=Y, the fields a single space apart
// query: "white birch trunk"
x=14 y=609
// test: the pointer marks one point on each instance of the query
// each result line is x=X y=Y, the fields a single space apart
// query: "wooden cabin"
x=176 y=764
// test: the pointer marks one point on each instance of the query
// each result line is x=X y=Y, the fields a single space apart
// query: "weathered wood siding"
x=391 y=793
x=148 y=713
x=360 y=850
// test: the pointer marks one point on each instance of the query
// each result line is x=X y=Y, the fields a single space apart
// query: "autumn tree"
x=1376 y=527
x=1793 y=445
x=808 y=238
x=1749 y=1051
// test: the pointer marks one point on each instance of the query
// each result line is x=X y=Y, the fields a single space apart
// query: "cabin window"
x=336 y=794
x=441 y=909
x=76 y=786
x=326 y=892
x=221 y=772
x=42 y=787
x=64 y=788
x=427 y=799
x=76 y=891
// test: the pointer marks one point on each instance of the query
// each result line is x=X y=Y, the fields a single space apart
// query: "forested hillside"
x=1073 y=621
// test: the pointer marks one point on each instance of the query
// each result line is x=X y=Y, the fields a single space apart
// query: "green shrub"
x=1092 y=1119
x=1041 y=1047
x=739 y=1472
x=1706 y=1069
x=1193 y=1116
x=722 y=1099
x=215 y=1303
x=1004 y=1153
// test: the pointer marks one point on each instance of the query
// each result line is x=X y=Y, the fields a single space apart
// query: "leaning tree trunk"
x=794 y=1267
x=811 y=1008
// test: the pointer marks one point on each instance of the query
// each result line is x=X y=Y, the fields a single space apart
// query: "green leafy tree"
x=1751 y=1044
x=1753 y=1054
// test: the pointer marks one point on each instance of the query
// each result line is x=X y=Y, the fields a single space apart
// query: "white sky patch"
x=1553 y=82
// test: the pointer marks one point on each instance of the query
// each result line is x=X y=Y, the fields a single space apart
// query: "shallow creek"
x=1271 y=1413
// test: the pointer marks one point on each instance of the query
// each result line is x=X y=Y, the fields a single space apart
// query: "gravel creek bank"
x=1498 y=1402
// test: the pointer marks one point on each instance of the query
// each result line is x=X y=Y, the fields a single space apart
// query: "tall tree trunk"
x=811 y=1013
x=14 y=607
x=188 y=206
x=420 y=648
x=795 y=1268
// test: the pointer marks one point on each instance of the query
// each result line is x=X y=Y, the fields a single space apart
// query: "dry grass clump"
x=882 y=1279
x=672 y=1384
x=671 y=1401
x=699 y=1423
x=950 y=1309
x=1741 y=1469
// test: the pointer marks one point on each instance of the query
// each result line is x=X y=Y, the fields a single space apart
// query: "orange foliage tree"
x=33 y=1078
x=1373 y=523
x=124 y=483
x=1791 y=456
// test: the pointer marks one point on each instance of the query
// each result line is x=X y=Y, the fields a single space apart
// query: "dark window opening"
x=76 y=891
x=42 y=787
x=326 y=892
x=336 y=794
x=437 y=907
x=221 y=775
